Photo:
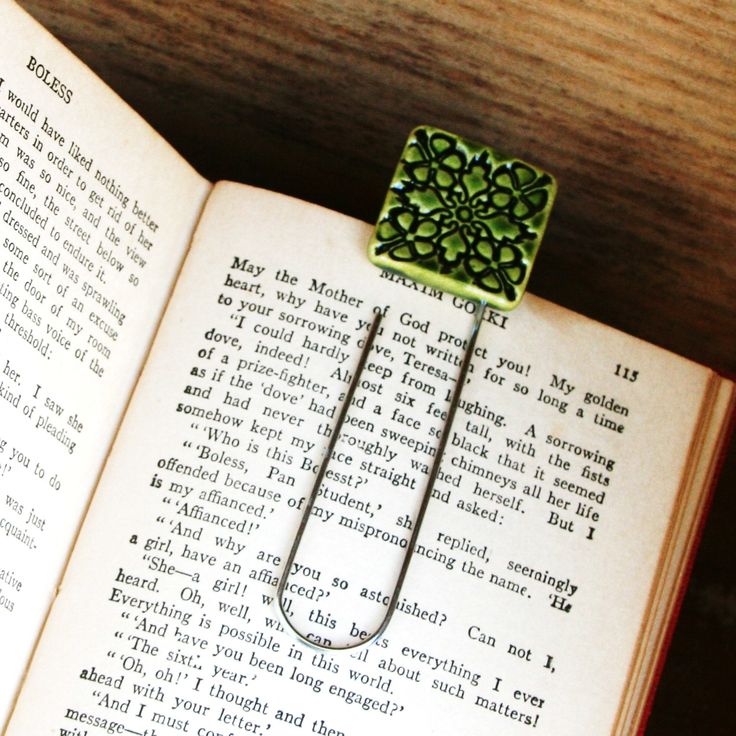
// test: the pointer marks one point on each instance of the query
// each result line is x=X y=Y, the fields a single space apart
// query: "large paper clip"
x=462 y=218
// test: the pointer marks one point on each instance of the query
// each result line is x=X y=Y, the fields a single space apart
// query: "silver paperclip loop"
x=465 y=366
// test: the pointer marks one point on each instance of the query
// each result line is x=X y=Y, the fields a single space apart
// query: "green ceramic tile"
x=463 y=218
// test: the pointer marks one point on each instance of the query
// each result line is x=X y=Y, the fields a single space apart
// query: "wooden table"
x=632 y=105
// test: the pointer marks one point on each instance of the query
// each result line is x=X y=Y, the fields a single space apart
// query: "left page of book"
x=96 y=213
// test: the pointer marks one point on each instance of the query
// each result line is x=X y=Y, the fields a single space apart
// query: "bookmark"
x=462 y=218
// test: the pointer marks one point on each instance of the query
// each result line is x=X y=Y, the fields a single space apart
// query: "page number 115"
x=626 y=373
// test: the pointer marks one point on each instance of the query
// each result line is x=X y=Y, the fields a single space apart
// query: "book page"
x=530 y=579
x=95 y=215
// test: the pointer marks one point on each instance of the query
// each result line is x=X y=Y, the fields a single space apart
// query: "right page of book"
x=534 y=570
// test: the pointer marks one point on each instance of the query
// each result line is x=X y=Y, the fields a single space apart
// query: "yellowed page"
x=96 y=211
x=521 y=609
x=675 y=564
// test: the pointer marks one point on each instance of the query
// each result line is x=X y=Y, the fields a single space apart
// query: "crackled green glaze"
x=463 y=218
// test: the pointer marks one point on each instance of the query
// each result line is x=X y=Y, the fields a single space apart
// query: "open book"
x=172 y=354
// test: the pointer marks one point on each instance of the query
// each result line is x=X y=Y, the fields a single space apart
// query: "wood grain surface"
x=631 y=104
